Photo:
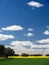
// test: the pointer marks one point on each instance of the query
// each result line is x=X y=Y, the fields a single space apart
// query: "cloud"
x=29 y=34
x=47 y=27
x=45 y=41
x=12 y=28
x=22 y=43
x=30 y=29
x=21 y=46
x=40 y=46
x=29 y=47
x=46 y=51
x=35 y=4
x=47 y=31
x=5 y=37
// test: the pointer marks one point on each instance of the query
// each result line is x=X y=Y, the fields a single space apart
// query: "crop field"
x=28 y=57
x=24 y=61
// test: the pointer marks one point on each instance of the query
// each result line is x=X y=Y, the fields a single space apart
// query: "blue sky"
x=24 y=15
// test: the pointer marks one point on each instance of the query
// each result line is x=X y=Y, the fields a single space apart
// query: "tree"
x=2 y=48
x=47 y=54
x=24 y=54
x=8 y=52
x=36 y=54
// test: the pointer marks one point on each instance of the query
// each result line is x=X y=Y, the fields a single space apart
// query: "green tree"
x=2 y=48
x=24 y=54
x=8 y=52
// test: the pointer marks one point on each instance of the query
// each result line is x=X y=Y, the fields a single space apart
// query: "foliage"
x=47 y=54
x=36 y=55
x=2 y=48
x=6 y=51
x=24 y=54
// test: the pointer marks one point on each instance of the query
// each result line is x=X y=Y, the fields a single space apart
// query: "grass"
x=25 y=61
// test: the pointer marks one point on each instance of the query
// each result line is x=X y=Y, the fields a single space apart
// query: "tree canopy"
x=6 y=51
x=2 y=48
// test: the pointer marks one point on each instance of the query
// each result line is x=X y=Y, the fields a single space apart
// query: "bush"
x=24 y=54
x=47 y=54
x=36 y=54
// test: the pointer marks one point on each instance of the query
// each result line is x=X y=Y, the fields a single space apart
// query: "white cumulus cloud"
x=12 y=28
x=21 y=46
x=30 y=29
x=47 y=27
x=43 y=41
x=47 y=31
x=23 y=43
x=35 y=4
x=29 y=34
x=5 y=37
x=28 y=47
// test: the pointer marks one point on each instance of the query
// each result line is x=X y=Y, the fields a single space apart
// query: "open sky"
x=24 y=25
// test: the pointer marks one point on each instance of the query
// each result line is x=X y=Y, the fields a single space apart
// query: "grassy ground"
x=25 y=61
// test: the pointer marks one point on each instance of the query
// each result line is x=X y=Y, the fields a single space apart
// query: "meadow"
x=24 y=61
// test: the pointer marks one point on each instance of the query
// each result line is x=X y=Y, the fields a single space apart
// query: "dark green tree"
x=24 y=54
x=8 y=52
x=2 y=48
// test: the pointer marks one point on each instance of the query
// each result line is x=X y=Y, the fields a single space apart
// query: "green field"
x=25 y=61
